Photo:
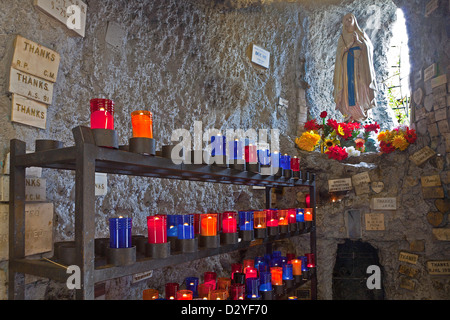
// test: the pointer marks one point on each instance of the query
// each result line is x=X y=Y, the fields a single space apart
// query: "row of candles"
x=102 y=117
x=254 y=279
x=188 y=226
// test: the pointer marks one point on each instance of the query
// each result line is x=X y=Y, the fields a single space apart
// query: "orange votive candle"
x=308 y=214
x=142 y=123
x=296 y=267
x=277 y=276
x=208 y=224
x=259 y=218
x=224 y=284
x=184 y=295
x=150 y=294
x=283 y=217
x=218 y=294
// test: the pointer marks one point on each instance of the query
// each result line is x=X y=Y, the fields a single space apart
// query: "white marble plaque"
x=35 y=189
x=430 y=72
x=34 y=59
x=383 y=203
x=29 y=112
x=260 y=56
x=101 y=184
x=74 y=20
x=30 y=86
x=339 y=185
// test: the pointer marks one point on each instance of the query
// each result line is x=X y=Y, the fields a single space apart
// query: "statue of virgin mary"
x=354 y=76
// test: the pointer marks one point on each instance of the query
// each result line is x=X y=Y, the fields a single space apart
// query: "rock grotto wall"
x=186 y=61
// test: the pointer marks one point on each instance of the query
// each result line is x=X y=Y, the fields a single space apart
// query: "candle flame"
x=120 y=217
x=185 y=224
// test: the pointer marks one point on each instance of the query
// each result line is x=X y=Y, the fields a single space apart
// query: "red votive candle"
x=210 y=278
x=235 y=267
x=102 y=114
x=229 y=222
x=185 y=295
x=251 y=272
x=157 y=228
x=251 y=154
x=310 y=260
x=295 y=164
x=204 y=290
x=292 y=215
x=237 y=291
x=272 y=218
x=171 y=290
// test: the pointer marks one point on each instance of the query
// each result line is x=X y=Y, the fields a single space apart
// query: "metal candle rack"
x=85 y=159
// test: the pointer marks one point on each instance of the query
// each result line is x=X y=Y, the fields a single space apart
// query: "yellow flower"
x=341 y=130
x=400 y=142
x=383 y=136
x=308 y=141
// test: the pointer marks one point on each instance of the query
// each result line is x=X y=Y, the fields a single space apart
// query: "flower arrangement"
x=340 y=140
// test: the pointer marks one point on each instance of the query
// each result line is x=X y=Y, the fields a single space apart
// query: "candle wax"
x=209 y=226
x=229 y=225
x=142 y=126
x=102 y=120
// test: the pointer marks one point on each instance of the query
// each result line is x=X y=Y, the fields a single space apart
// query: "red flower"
x=312 y=125
x=347 y=129
x=372 y=127
x=333 y=124
x=337 y=153
x=323 y=115
x=410 y=135
x=386 y=147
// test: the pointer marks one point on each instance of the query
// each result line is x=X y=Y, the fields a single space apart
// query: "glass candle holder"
x=197 y=217
x=265 y=279
x=142 y=123
x=218 y=294
x=290 y=256
x=308 y=200
x=218 y=145
x=295 y=164
x=263 y=266
x=310 y=260
x=251 y=272
x=304 y=260
x=239 y=277
x=300 y=215
x=292 y=215
x=285 y=162
x=150 y=294
x=157 y=228
x=208 y=224
x=236 y=150
x=237 y=291
x=204 y=290
x=120 y=232
x=275 y=262
x=248 y=263
x=171 y=290
x=192 y=285
x=272 y=218
x=252 y=288
x=172 y=225
x=210 y=277
x=287 y=272
x=259 y=218
x=246 y=220
x=283 y=217
x=251 y=155
x=275 y=159
x=296 y=267
x=229 y=222
x=102 y=114
x=258 y=261
x=277 y=276
x=235 y=267
x=185 y=228
x=224 y=284
x=185 y=295
x=308 y=214
x=263 y=156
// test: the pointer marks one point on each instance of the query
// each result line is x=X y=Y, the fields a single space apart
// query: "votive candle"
x=120 y=232
x=218 y=294
x=142 y=123
x=245 y=220
x=102 y=114
x=210 y=278
x=265 y=279
x=150 y=294
x=310 y=260
x=185 y=228
x=308 y=214
x=285 y=162
x=277 y=276
x=251 y=155
x=185 y=295
x=252 y=287
x=237 y=291
x=259 y=218
x=229 y=222
x=296 y=267
x=204 y=290
x=295 y=164
x=171 y=290
x=208 y=224
x=172 y=225
x=157 y=228
x=292 y=215
x=272 y=218
x=218 y=144
x=300 y=215
x=192 y=284
x=283 y=217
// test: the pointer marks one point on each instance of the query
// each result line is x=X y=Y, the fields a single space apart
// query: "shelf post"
x=16 y=284
x=313 y=239
x=85 y=211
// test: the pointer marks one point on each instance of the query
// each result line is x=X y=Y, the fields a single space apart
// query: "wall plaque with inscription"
x=30 y=86
x=422 y=155
x=430 y=72
x=339 y=185
x=438 y=267
x=431 y=181
x=408 y=257
x=34 y=59
x=383 y=203
x=29 y=112
x=374 y=221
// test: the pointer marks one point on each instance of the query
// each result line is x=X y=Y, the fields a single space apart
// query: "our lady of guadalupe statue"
x=354 y=75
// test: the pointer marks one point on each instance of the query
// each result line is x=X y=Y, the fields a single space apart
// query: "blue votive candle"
x=218 y=145
x=288 y=272
x=265 y=279
x=300 y=216
x=264 y=157
x=120 y=232
x=192 y=284
x=285 y=162
x=236 y=149
x=245 y=220
x=304 y=262
x=185 y=227
x=172 y=225
x=252 y=287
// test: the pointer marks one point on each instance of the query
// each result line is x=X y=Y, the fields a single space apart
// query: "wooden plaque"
x=29 y=112
x=34 y=59
x=422 y=155
x=431 y=181
x=433 y=193
x=408 y=257
x=30 y=86
x=439 y=267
